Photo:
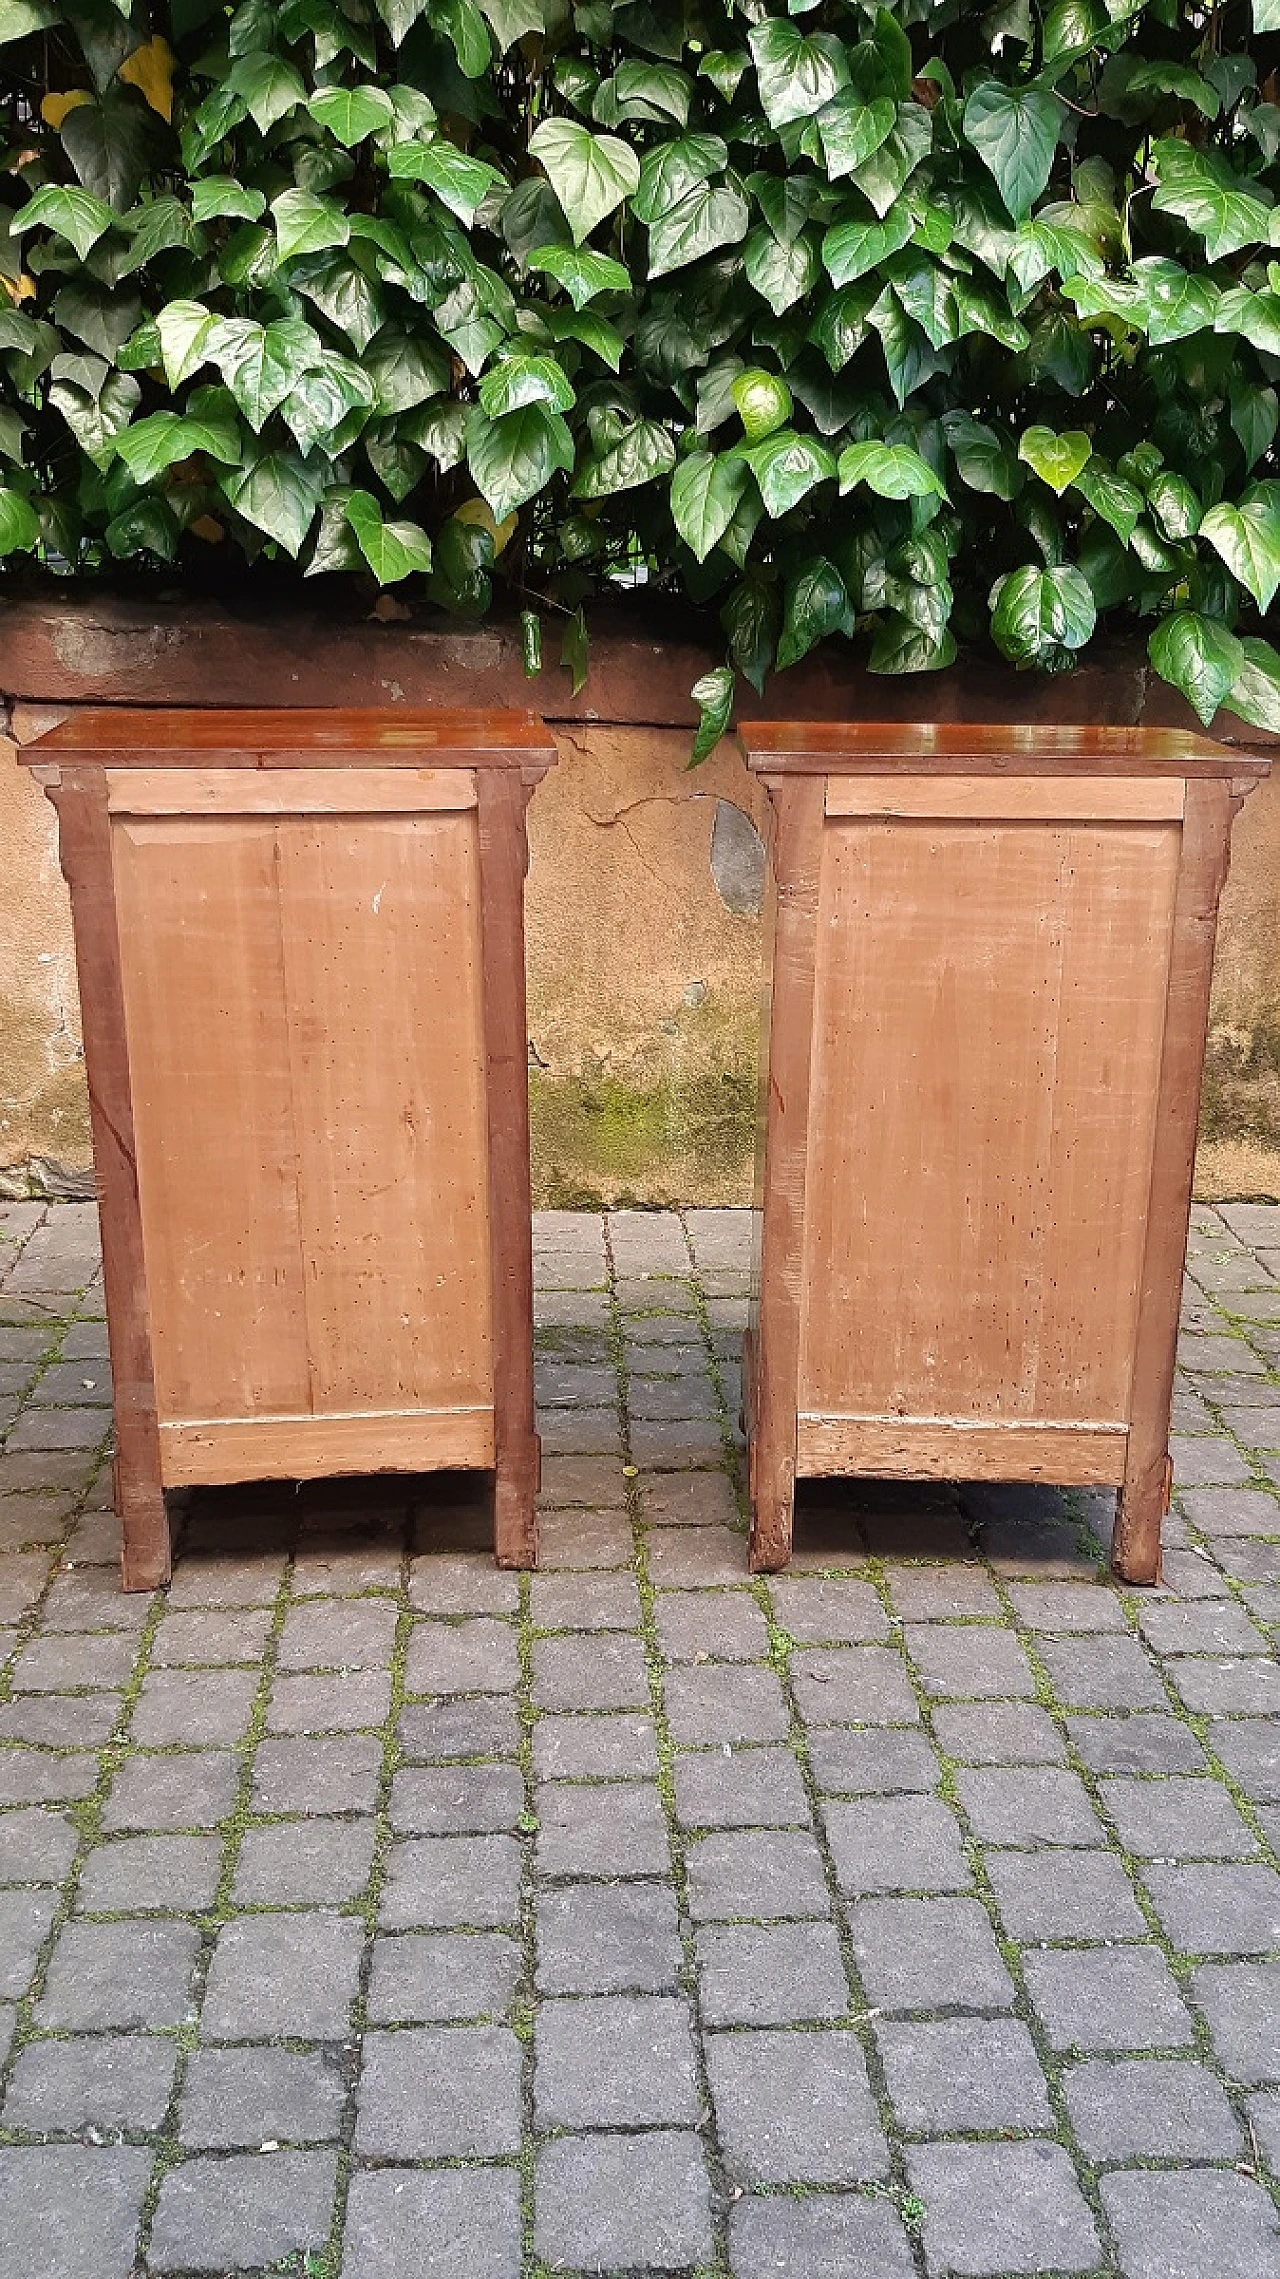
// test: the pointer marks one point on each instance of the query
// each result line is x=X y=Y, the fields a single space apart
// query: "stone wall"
x=645 y=879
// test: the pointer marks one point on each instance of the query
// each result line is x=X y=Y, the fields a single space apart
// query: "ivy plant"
x=906 y=326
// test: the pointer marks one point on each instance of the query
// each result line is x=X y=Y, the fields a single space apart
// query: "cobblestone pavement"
x=366 y=1911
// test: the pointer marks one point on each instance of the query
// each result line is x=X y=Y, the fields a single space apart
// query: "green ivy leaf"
x=901 y=646
x=219 y=197
x=461 y=183
x=262 y=363
x=853 y=248
x=1255 y=692
x=392 y=549
x=167 y=437
x=1200 y=656
x=797 y=75
x=77 y=215
x=1177 y=303
x=852 y=129
x=892 y=470
x=1014 y=131
x=786 y=466
x=671 y=169
x=713 y=695
x=642 y=452
x=278 y=493
x=575 y=650
x=467 y=33
x=512 y=458
x=269 y=87
x=305 y=224
x=352 y=113
x=1204 y=192
x=816 y=604
x=1056 y=459
x=1112 y=499
x=19 y=523
x=781 y=274
x=705 y=490
x=1247 y=538
x=583 y=272
x=522 y=379
x=706 y=219
x=1174 y=504
x=18 y=18
x=590 y=174
x=1036 y=611
x=319 y=408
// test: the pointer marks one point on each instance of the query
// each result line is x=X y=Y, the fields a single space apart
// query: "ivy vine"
x=904 y=325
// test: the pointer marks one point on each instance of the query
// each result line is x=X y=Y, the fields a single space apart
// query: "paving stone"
x=36 y=1846
x=757 y=1874
x=1241 y=2005
x=607 y=1829
x=117 y=2081
x=273 y=1976
x=608 y=1939
x=580 y=1432
x=193 y=1789
x=1102 y=1673
x=673 y=1443
x=573 y=1385
x=32 y=1519
x=123 y=1974
x=339 y=1772
x=1207 y=1626
x=1232 y=1511
x=602 y=2201
x=1178 y=2226
x=570 y=1309
x=611 y=1676
x=299 y=1863
x=37 y=1776
x=1216 y=1355
x=1217 y=1910
x=1214 y=1688
x=688 y=1499
x=1250 y=1749
x=1248 y=1562
x=457 y=1800
x=477 y=1655
x=1256 y=1427
x=881 y=1761
x=1074 y=1607
x=1210 y=1462
x=595 y=1748
x=58 y=1428
x=478 y=1725
x=437 y=2092
x=591 y=1601
x=968 y=1661
x=462 y=1582
x=928 y=1954
x=234 y=2097
x=1264 y=2128
x=616 y=2061
x=718 y=1702
x=194 y=1706
x=1084 y=1895
x=683 y=1397
x=214 y=2215
x=819 y=1611
x=59 y=1664
x=823 y=2236
x=442 y=1975
x=896 y=1844
x=63 y=1720
x=177 y=1873
x=441 y=1882
x=695 y=1558
x=1122 y=1998
x=210 y=1636
x=1150 y=2109
x=338 y=1634
x=1006 y=2208
x=724 y=1626
x=794 y=2107
x=1192 y=1574
x=1177 y=1819
x=581 y=1540
x=939 y=1594
x=1028 y=1805
x=448 y=2223
x=1147 y=1742
x=998 y=1733
x=737 y=1788
x=89 y=1598
x=950 y=2075
x=71 y=2211
x=863 y=1685
x=345 y=1701
x=751 y=1974
x=75 y=1383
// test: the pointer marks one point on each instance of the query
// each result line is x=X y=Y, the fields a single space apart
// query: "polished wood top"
x=114 y=736
x=833 y=747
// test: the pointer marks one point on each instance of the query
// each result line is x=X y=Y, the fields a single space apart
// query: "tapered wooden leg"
x=1140 y=1507
x=773 y=1497
x=139 y=1500
x=517 y=1477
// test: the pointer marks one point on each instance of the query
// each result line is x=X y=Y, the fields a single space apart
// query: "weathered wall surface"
x=644 y=934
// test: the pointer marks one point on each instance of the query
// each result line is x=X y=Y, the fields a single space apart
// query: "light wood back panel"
x=972 y=1249
x=303 y=1005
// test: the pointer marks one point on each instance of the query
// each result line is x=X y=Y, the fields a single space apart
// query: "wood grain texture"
x=85 y=844
x=956 y=1448
x=504 y=861
x=1040 y=799
x=119 y=737
x=1135 y=1549
x=808 y=747
x=295 y=791
x=987 y=1033
x=205 y=1452
x=797 y=855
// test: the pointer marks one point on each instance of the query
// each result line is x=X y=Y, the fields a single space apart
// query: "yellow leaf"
x=54 y=108
x=205 y=527
x=19 y=288
x=150 y=70
x=479 y=511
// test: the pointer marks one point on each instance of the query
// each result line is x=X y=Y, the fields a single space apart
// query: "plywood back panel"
x=303 y=1007
x=987 y=1037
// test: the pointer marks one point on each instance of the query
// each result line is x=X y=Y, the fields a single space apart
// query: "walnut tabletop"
x=388 y=736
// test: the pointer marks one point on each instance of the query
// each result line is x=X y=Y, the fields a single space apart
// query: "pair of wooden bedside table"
x=300 y=946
